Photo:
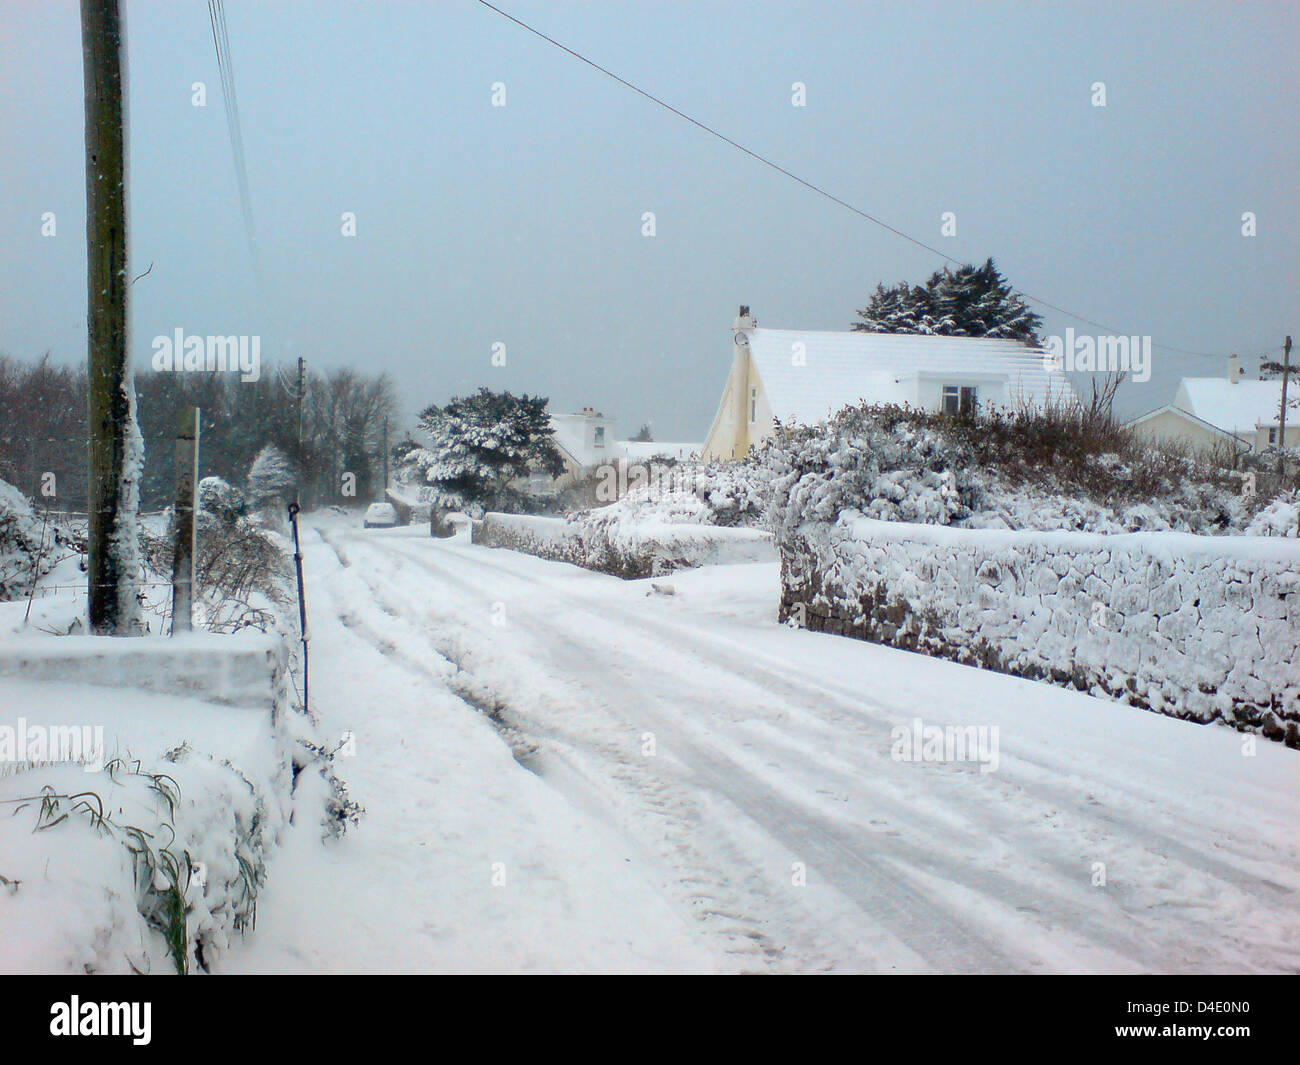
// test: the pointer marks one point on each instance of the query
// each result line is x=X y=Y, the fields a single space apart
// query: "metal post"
x=1281 y=431
x=187 y=475
x=302 y=606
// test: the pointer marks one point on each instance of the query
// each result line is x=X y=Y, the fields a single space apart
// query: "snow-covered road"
x=694 y=787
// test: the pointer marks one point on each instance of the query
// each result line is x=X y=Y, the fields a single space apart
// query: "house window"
x=959 y=399
x=598 y=436
x=753 y=405
x=1272 y=436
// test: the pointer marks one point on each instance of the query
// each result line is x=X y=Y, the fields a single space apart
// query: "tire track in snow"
x=856 y=707
x=704 y=888
x=1132 y=930
x=931 y=930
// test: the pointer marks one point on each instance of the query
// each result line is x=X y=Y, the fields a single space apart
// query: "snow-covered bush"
x=1280 y=518
x=686 y=493
x=241 y=568
x=630 y=550
x=29 y=547
x=1057 y=469
x=20 y=544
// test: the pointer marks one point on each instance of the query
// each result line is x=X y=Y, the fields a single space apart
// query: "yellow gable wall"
x=1171 y=426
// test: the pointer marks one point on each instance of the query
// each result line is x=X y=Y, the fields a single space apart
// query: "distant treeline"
x=43 y=428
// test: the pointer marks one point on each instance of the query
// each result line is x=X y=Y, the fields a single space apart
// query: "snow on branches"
x=972 y=301
x=479 y=444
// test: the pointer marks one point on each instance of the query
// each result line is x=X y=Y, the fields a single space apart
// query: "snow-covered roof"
x=1239 y=408
x=640 y=450
x=571 y=437
x=840 y=369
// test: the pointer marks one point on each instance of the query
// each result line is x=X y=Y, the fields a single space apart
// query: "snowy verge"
x=141 y=846
x=1196 y=627
x=624 y=549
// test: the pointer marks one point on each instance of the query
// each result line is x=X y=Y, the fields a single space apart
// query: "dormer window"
x=959 y=399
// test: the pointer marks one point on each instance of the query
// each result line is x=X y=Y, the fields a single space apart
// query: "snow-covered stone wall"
x=624 y=549
x=1201 y=628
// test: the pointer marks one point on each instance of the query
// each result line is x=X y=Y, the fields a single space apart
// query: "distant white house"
x=586 y=441
x=1209 y=411
x=795 y=375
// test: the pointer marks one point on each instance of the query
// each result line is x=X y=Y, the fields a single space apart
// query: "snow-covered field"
x=568 y=772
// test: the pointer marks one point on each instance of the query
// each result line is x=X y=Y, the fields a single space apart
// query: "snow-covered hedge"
x=22 y=559
x=622 y=548
x=1056 y=470
x=1202 y=628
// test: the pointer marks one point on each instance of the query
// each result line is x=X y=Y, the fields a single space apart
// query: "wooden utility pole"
x=302 y=388
x=187 y=475
x=385 y=458
x=109 y=410
x=1281 y=431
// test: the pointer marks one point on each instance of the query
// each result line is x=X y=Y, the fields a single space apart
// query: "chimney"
x=1234 y=368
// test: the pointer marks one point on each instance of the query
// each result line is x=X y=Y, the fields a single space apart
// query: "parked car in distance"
x=380 y=516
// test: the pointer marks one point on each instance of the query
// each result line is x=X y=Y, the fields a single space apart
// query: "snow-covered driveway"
x=706 y=789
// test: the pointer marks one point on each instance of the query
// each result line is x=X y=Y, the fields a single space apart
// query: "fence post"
x=302 y=608
x=187 y=474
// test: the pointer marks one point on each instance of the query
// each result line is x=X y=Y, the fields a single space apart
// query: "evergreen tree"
x=272 y=481
x=972 y=301
x=479 y=444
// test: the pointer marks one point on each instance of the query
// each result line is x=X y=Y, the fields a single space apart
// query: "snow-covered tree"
x=20 y=544
x=271 y=477
x=971 y=301
x=272 y=481
x=478 y=445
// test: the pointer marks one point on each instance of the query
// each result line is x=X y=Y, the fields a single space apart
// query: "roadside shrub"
x=241 y=568
x=1063 y=467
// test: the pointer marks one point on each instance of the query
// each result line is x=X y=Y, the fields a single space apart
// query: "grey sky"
x=522 y=224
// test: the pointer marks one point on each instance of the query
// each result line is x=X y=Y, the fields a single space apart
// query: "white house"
x=795 y=375
x=586 y=441
x=1209 y=411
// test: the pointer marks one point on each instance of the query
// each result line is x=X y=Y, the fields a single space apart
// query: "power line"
x=808 y=184
x=226 y=71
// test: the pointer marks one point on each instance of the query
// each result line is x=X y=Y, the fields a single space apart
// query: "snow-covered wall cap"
x=833 y=370
x=1162 y=545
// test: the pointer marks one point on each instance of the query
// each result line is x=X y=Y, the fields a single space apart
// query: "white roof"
x=847 y=368
x=639 y=450
x=1239 y=408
